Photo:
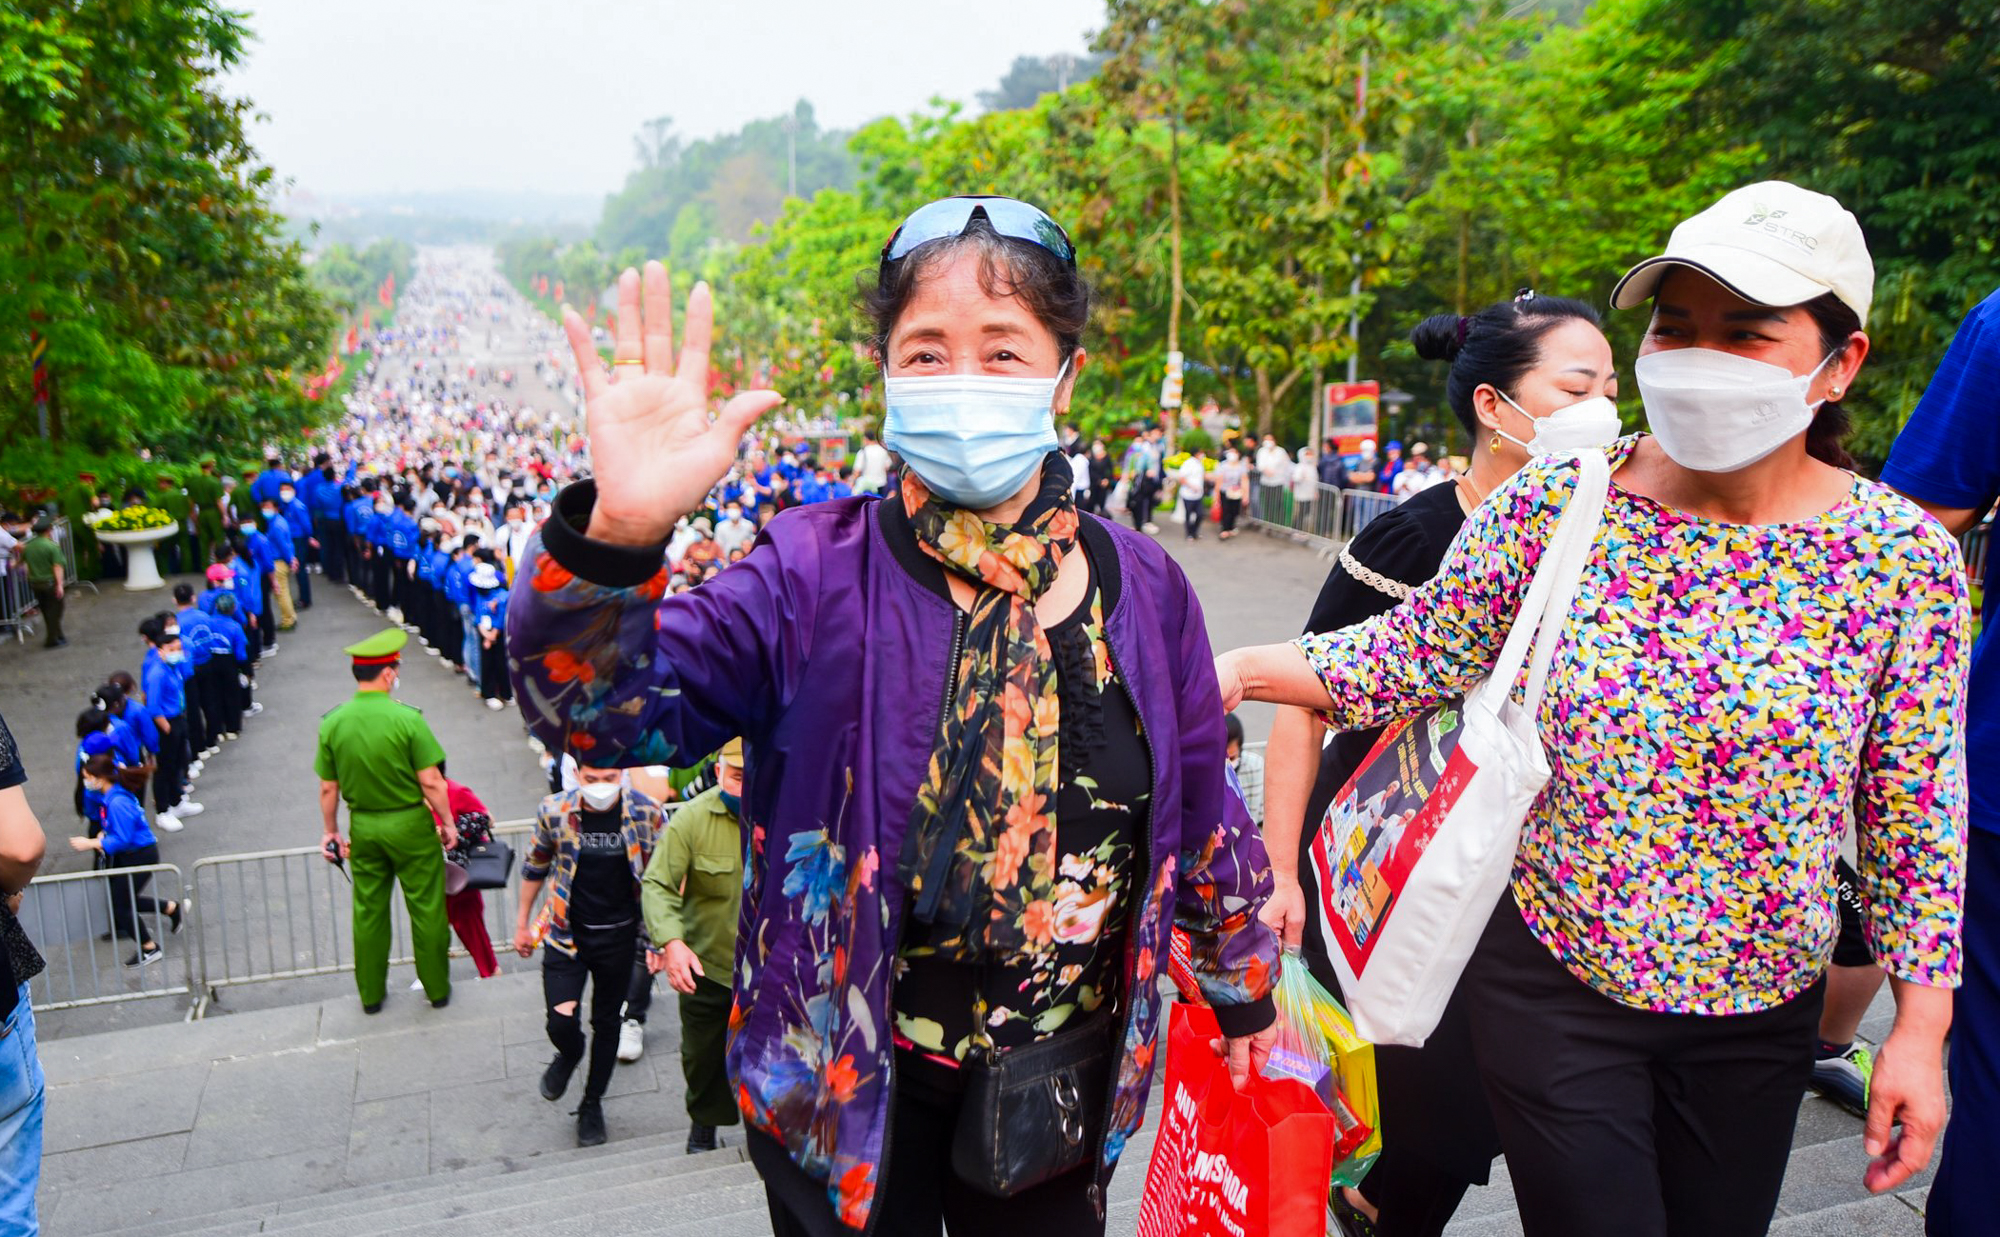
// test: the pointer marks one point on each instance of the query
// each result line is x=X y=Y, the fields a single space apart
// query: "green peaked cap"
x=383 y=646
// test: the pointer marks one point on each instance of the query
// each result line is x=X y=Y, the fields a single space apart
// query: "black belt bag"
x=1033 y=1112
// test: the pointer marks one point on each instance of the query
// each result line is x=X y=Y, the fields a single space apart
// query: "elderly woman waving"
x=985 y=768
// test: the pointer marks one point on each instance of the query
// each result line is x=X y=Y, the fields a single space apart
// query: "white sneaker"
x=495 y=704
x=211 y=749
x=165 y=823
x=631 y=1040
x=186 y=808
x=395 y=615
x=272 y=651
x=1151 y=528
x=433 y=652
x=254 y=709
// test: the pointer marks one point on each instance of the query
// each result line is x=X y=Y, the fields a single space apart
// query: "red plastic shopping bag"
x=1226 y=1163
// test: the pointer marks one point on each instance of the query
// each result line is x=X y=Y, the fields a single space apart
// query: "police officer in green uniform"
x=204 y=491
x=379 y=755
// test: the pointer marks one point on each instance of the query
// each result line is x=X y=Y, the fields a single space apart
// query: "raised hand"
x=654 y=448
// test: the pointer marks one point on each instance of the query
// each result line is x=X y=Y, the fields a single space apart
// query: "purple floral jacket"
x=827 y=649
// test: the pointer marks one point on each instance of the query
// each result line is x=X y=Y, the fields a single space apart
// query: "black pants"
x=604 y=958
x=332 y=535
x=1232 y=509
x=302 y=577
x=267 y=621
x=379 y=575
x=172 y=769
x=1141 y=496
x=1675 y=1124
x=215 y=687
x=493 y=681
x=1192 y=509
x=127 y=903
x=924 y=1196
x=51 y=607
x=197 y=724
x=230 y=694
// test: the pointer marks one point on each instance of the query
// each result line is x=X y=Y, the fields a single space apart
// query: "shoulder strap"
x=1553 y=589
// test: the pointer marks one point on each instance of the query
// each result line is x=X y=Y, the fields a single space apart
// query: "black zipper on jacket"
x=958 y=625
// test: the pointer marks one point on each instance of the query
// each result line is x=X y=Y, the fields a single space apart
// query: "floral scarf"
x=981 y=841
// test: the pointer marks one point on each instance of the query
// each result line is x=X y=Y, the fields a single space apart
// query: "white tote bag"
x=1416 y=849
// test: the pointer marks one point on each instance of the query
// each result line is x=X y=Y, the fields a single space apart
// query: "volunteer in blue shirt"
x=197 y=728
x=232 y=666
x=327 y=502
x=275 y=474
x=402 y=532
x=120 y=734
x=356 y=513
x=166 y=696
x=305 y=542
x=458 y=590
x=254 y=560
x=127 y=842
x=205 y=709
x=379 y=563
x=489 y=612
x=284 y=563
x=1948 y=459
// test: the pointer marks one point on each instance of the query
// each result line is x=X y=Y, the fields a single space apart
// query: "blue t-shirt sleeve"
x=1948 y=454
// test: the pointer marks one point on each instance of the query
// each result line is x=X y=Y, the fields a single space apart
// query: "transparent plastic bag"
x=1317 y=1045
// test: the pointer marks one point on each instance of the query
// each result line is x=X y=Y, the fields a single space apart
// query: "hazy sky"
x=378 y=96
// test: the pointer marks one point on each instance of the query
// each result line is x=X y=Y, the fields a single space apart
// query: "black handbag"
x=488 y=864
x=1033 y=1112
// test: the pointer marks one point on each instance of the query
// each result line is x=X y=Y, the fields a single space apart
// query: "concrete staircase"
x=316 y=1121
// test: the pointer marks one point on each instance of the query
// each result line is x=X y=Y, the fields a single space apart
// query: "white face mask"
x=1577 y=427
x=974 y=439
x=1717 y=411
x=600 y=796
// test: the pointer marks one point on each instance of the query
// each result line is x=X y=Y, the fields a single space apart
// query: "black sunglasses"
x=951 y=216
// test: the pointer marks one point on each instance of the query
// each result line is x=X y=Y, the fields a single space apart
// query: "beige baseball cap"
x=1771 y=243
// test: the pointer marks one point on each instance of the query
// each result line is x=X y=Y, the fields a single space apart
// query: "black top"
x=19 y=962
x=1406 y=544
x=601 y=894
x=1102 y=812
x=1430 y=1096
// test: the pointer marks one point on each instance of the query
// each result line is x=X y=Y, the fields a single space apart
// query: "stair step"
x=492 y=1197
x=653 y=1206
x=359 y=1199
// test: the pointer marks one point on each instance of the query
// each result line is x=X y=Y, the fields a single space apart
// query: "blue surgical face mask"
x=173 y=658
x=974 y=439
x=734 y=803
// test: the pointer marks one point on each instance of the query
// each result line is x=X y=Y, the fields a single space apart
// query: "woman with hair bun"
x=1528 y=376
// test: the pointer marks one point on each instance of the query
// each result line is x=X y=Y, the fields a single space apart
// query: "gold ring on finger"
x=627 y=361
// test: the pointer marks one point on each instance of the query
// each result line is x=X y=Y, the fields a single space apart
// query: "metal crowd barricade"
x=289 y=914
x=17 y=604
x=1330 y=517
x=73 y=919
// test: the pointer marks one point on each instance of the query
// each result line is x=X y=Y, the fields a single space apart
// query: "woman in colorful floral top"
x=985 y=770
x=1761 y=642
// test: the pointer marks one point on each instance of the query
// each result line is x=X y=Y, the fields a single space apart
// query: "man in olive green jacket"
x=691 y=895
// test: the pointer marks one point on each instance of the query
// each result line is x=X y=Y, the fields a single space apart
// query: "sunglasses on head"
x=949 y=217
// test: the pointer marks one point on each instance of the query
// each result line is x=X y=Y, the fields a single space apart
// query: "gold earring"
x=1835 y=393
x=1493 y=444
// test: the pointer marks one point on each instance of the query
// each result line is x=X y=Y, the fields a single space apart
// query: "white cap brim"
x=1755 y=278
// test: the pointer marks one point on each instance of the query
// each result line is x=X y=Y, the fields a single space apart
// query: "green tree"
x=139 y=241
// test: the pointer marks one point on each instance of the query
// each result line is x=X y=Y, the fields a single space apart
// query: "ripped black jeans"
x=604 y=958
